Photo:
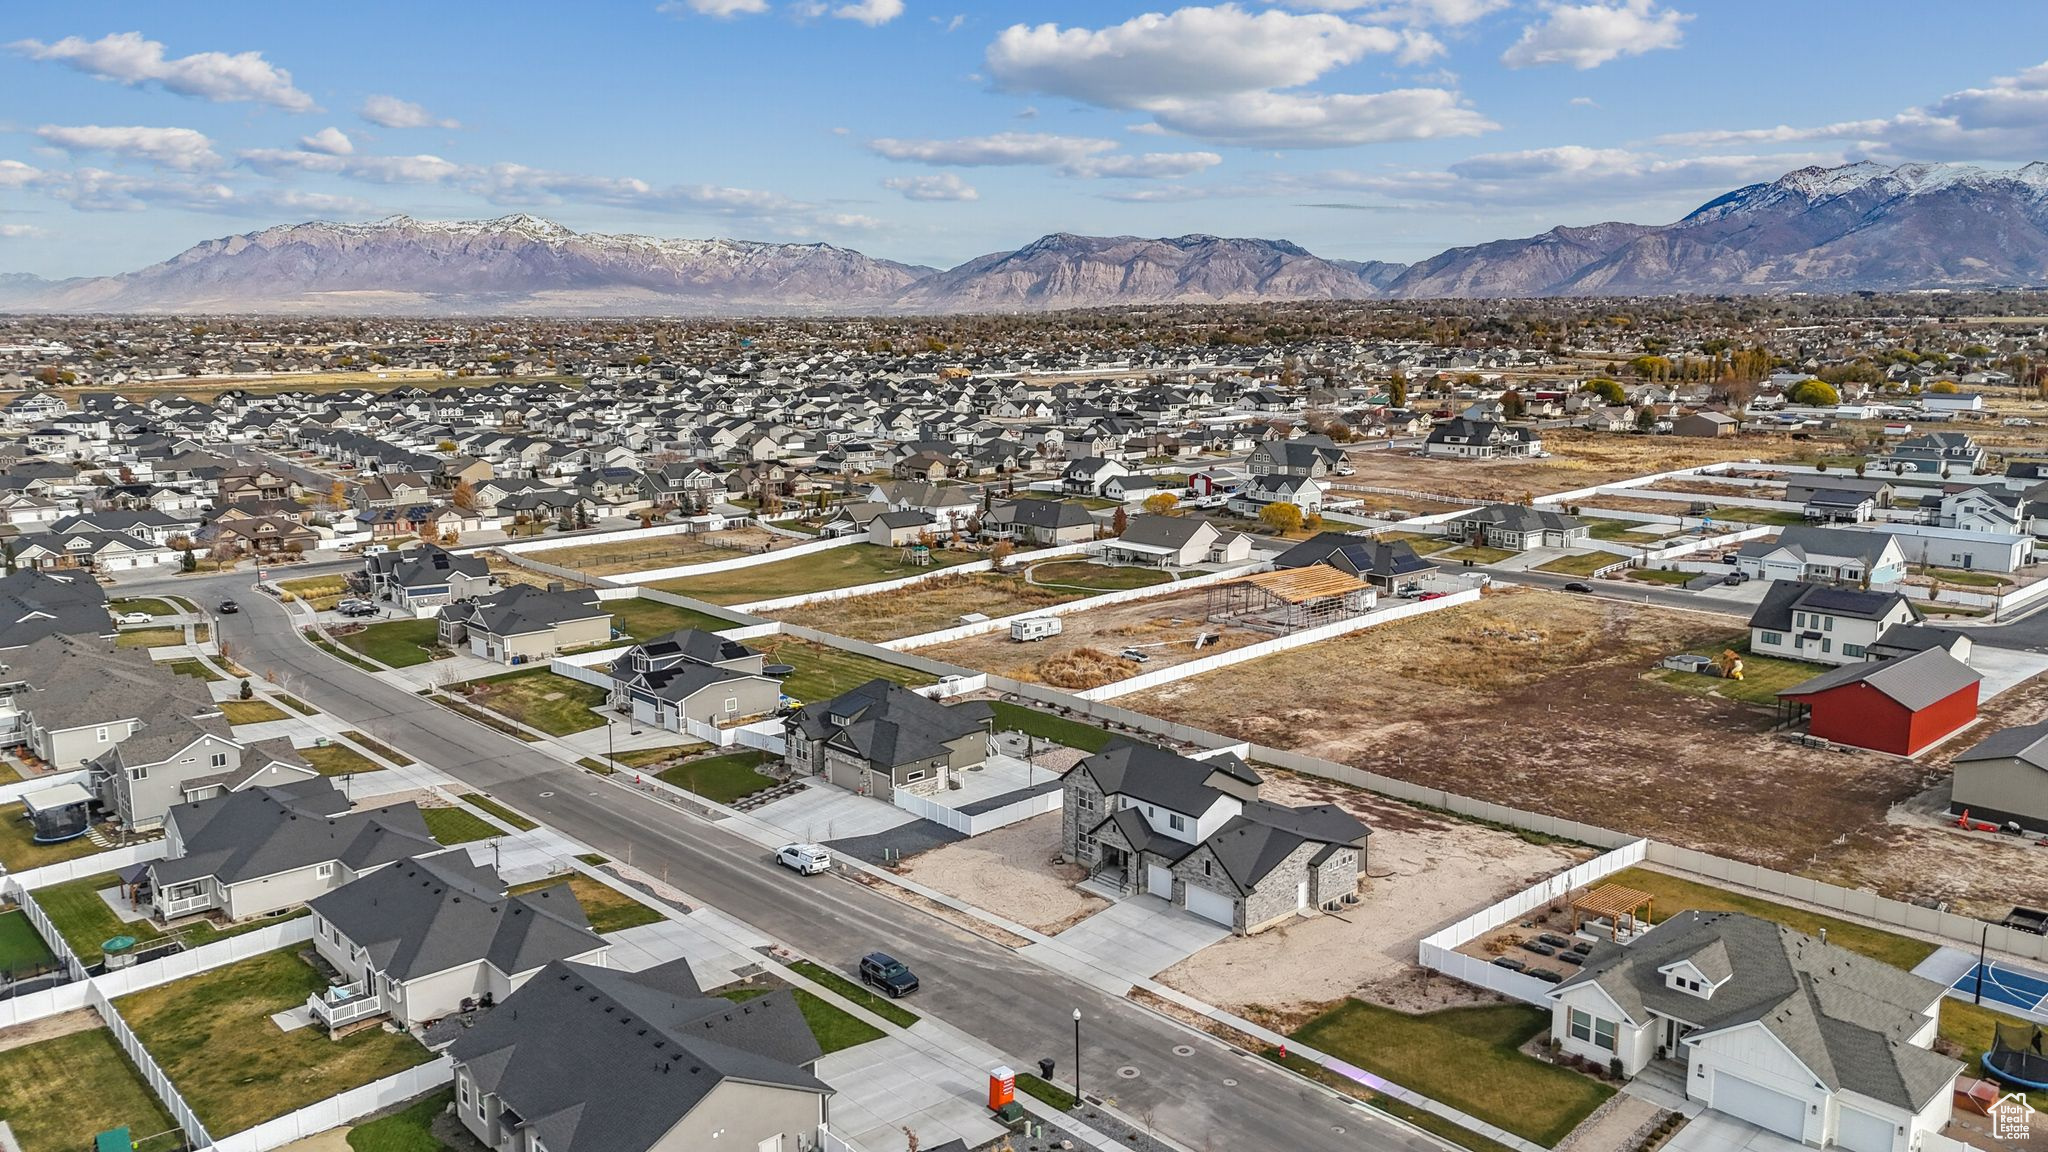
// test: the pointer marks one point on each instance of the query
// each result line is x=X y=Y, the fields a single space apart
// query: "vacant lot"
x=1013 y=872
x=644 y=619
x=1085 y=653
x=927 y=607
x=1543 y=701
x=1577 y=460
x=509 y=574
x=822 y=673
x=641 y=555
x=1092 y=577
x=540 y=699
x=57 y=1093
x=845 y=567
x=213 y=1036
x=1424 y=869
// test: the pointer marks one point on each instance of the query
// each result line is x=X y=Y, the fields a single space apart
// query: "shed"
x=1898 y=706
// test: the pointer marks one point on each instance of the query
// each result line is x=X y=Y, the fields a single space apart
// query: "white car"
x=135 y=618
x=805 y=859
x=2017 y=422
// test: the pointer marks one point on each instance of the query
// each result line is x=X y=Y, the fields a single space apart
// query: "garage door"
x=1759 y=1105
x=1212 y=906
x=1862 y=1132
x=1159 y=881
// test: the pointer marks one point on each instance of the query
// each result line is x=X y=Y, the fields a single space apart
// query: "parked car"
x=1578 y=586
x=345 y=546
x=356 y=608
x=1432 y=595
x=883 y=971
x=1409 y=590
x=2017 y=422
x=1134 y=656
x=134 y=618
x=804 y=859
x=228 y=608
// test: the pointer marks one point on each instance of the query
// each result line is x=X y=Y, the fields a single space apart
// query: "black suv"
x=228 y=608
x=887 y=973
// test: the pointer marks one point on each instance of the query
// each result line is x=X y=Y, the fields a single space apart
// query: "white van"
x=376 y=549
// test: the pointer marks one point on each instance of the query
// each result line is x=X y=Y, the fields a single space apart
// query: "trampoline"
x=2011 y=987
x=2019 y=1055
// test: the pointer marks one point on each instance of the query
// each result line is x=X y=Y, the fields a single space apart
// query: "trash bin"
x=1045 y=1070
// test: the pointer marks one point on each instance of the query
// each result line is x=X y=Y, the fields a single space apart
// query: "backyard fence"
x=711 y=567
x=971 y=567
x=193 y=961
x=152 y=1073
x=1001 y=623
x=976 y=823
x=1440 y=949
x=112 y=860
x=335 y=1111
x=12 y=793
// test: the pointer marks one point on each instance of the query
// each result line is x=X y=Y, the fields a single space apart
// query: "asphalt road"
x=977 y=986
x=1632 y=592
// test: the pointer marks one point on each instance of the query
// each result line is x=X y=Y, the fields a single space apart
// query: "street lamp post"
x=1077 y=1057
x=1983 y=939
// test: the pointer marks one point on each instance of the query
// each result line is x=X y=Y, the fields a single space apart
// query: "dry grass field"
x=926 y=607
x=509 y=574
x=1545 y=702
x=1577 y=460
x=610 y=559
x=1085 y=653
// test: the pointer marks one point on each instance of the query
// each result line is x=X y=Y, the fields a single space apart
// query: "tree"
x=1161 y=503
x=1859 y=469
x=566 y=522
x=999 y=555
x=1646 y=418
x=1397 y=391
x=246 y=691
x=1281 y=517
x=1609 y=390
x=1813 y=393
x=464 y=496
x=1943 y=387
x=1651 y=367
x=1119 y=522
x=337 y=495
x=187 y=562
x=1511 y=405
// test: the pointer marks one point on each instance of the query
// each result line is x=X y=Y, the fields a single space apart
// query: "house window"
x=917 y=775
x=1774 y=638
x=1854 y=651
x=324 y=871
x=100 y=734
x=220 y=759
x=1827 y=645
x=1208 y=868
x=1176 y=821
x=732 y=704
x=1084 y=801
x=1827 y=623
x=140 y=772
x=1592 y=1030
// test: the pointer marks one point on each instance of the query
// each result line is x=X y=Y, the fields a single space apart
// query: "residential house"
x=588 y=1059
x=430 y=576
x=1822 y=624
x=1987 y=508
x=1825 y=555
x=1485 y=439
x=1900 y=706
x=1089 y=473
x=1383 y=564
x=1801 y=489
x=1175 y=542
x=881 y=736
x=255 y=483
x=419 y=939
x=70 y=698
x=36 y=604
x=1518 y=528
x=177 y=758
x=1038 y=522
x=1315 y=456
x=1195 y=833
x=270 y=848
x=1933 y=454
x=1838 y=505
x=521 y=624
x=895 y=529
x=1962 y=548
x=1807 y=1039
x=690 y=676
x=261 y=535
x=1304 y=492
x=1706 y=424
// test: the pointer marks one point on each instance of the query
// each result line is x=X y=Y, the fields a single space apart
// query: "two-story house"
x=1823 y=624
x=1466 y=437
x=882 y=736
x=691 y=676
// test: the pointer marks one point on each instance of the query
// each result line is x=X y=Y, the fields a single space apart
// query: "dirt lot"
x=1425 y=871
x=1084 y=654
x=1541 y=701
x=1014 y=872
x=657 y=552
x=509 y=574
x=926 y=607
x=1722 y=488
x=1577 y=460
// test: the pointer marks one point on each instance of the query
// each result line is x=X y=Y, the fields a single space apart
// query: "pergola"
x=1612 y=903
x=1291 y=598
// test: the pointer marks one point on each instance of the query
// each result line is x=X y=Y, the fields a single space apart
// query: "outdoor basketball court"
x=2008 y=987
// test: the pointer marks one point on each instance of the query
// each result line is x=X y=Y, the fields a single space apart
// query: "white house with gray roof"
x=1825 y=555
x=1785 y=1031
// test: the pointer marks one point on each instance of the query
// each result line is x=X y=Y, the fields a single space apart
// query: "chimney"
x=555 y=585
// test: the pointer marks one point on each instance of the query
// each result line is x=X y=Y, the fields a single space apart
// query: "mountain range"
x=1860 y=226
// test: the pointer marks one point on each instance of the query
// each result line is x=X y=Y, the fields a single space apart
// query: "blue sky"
x=935 y=130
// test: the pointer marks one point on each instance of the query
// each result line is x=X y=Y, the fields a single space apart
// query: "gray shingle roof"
x=889 y=724
x=432 y=913
x=1914 y=681
x=264 y=831
x=2027 y=743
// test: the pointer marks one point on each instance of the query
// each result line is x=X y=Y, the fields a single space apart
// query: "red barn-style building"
x=1897 y=706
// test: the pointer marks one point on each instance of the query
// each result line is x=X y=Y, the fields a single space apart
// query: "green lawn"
x=377 y=749
x=725 y=779
x=342 y=654
x=150 y=638
x=194 y=669
x=398 y=643
x=644 y=619
x=479 y=800
x=1968 y=579
x=1476 y=553
x=457 y=825
x=57 y=1093
x=1046 y=726
x=822 y=672
x=1675 y=895
x=1661 y=575
x=1970 y=1027
x=212 y=1035
x=21 y=948
x=1601 y=528
x=1423 y=545
x=1763 y=677
x=609 y=909
x=408 y=1130
x=1467 y=1058
x=85 y=922
x=845 y=567
x=1582 y=564
x=1097 y=577
x=540 y=699
x=1051 y=1095
x=338 y=760
x=856 y=993
x=297 y=705
x=1932 y=608
x=18 y=850
x=491 y=720
x=834 y=1027
x=1427 y=1121
x=149 y=604
x=251 y=711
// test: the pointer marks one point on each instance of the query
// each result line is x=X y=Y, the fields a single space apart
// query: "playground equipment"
x=1730 y=664
x=2019 y=1055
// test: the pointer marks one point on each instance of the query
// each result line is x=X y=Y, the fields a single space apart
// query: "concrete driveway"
x=887 y=1085
x=1140 y=936
x=1712 y=1131
x=2003 y=668
x=827 y=812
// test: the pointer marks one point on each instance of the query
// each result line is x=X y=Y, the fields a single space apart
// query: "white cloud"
x=1589 y=35
x=1571 y=174
x=127 y=58
x=1584 y=102
x=1285 y=120
x=370 y=169
x=873 y=13
x=1145 y=166
x=944 y=186
x=19 y=231
x=1446 y=12
x=723 y=9
x=15 y=174
x=180 y=148
x=1187 y=54
x=391 y=112
x=332 y=141
x=1000 y=149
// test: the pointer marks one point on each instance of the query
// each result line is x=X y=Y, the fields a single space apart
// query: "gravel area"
x=1013 y=872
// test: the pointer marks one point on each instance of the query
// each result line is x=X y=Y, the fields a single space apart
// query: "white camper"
x=1036 y=628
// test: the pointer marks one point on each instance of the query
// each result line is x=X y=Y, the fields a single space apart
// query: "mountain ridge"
x=1856 y=226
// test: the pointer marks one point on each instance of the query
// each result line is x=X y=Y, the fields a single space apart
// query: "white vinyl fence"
x=709 y=567
x=1017 y=558
x=1440 y=949
x=152 y=1073
x=1002 y=623
x=335 y=1111
x=974 y=824
x=12 y=793
x=112 y=860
